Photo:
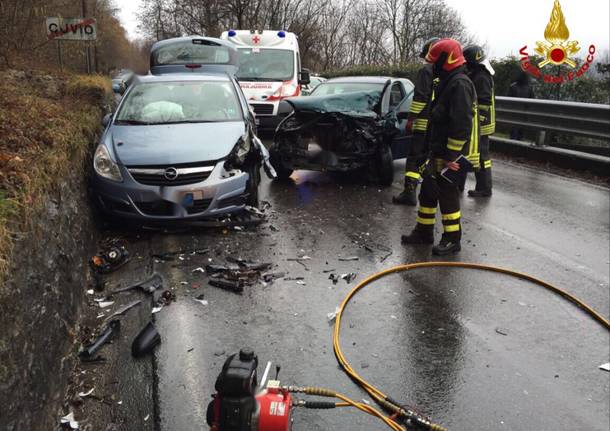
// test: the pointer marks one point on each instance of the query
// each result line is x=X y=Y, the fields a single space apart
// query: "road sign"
x=71 y=28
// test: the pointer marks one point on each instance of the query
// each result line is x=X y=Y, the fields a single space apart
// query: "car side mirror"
x=119 y=88
x=305 y=77
x=106 y=120
x=402 y=115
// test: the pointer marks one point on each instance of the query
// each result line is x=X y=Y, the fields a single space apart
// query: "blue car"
x=179 y=147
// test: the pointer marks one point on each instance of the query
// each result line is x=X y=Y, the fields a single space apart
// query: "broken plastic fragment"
x=124 y=309
x=149 y=285
x=157 y=309
x=145 y=341
x=104 y=304
x=605 y=367
x=69 y=420
x=200 y=269
x=348 y=259
x=112 y=328
x=86 y=394
x=90 y=292
x=201 y=301
x=332 y=316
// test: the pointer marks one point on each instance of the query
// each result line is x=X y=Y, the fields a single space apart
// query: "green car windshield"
x=180 y=102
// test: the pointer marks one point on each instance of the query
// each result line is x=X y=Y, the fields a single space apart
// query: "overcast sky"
x=504 y=25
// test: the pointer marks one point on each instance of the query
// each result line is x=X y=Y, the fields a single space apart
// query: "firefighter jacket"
x=484 y=86
x=422 y=95
x=454 y=125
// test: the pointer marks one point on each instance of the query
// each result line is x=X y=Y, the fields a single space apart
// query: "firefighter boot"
x=483 y=187
x=409 y=195
x=450 y=243
x=421 y=234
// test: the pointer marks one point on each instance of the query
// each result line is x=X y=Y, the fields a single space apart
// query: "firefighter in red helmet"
x=453 y=131
x=417 y=123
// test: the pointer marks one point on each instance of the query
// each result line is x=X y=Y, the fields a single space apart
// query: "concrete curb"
x=570 y=159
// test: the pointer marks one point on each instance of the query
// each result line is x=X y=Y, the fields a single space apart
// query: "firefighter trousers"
x=437 y=191
x=417 y=157
x=483 y=175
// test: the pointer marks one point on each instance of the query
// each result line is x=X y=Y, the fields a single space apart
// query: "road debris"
x=348 y=259
x=501 y=331
x=88 y=353
x=349 y=277
x=110 y=259
x=86 y=394
x=149 y=285
x=145 y=341
x=200 y=269
x=124 y=309
x=271 y=276
x=236 y=274
x=157 y=309
x=69 y=421
x=200 y=300
x=331 y=317
x=104 y=304
x=605 y=367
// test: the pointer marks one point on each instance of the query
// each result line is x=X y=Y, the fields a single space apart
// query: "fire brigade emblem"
x=557 y=49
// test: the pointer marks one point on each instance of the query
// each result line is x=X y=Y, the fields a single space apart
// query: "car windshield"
x=180 y=102
x=190 y=53
x=334 y=88
x=258 y=64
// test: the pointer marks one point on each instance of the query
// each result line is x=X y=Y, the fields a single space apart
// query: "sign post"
x=83 y=29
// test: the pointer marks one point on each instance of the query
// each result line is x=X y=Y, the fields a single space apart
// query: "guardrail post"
x=541 y=138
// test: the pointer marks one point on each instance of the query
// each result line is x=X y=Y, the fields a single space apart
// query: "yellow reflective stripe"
x=414 y=175
x=452 y=228
x=452 y=216
x=427 y=210
x=488 y=129
x=487 y=164
x=420 y=122
x=427 y=221
x=485 y=107
x=417 y=107
x=455 y=144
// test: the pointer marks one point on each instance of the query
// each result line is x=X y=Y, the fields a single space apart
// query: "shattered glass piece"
x=86 y=394
x=69 y=420
x=605 y=367
x=331 y=317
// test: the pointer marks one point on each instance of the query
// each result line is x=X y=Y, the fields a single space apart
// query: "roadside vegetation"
x=48 y=126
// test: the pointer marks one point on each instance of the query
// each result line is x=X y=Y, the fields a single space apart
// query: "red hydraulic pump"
x=240 y=404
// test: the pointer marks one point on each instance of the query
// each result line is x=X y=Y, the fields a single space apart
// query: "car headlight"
x=105 y=166
x=240 y=152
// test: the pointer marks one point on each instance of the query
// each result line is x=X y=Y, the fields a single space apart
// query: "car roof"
x=363 y=79
x=173 y=77
x=175 y=40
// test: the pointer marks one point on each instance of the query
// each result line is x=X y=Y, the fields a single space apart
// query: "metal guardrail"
x=589 y=120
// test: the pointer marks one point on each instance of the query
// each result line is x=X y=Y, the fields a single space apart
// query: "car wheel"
x=281 y=169
x=385 y=165
x=252 y=186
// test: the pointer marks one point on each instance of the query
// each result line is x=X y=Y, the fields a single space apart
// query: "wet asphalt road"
x=473 y=350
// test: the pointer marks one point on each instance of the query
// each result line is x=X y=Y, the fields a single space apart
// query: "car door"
x=399 y=101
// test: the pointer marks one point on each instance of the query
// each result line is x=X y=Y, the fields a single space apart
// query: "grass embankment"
x=47 y=126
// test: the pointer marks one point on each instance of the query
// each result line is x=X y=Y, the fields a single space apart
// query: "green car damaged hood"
x=361 y=104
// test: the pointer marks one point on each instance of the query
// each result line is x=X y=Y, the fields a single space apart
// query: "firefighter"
x=453 y=132
x=417 y=123
x=481 y=74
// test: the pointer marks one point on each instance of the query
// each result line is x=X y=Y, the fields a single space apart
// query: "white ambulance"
x=269 y=70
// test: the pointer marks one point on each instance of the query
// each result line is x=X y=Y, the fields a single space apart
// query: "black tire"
x=252 y=186
x=282 y=170
x=385 y=166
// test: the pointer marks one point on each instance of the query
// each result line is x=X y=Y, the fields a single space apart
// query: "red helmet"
x=446 y=53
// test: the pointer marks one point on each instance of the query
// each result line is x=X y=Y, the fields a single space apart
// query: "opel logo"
x=170 y=174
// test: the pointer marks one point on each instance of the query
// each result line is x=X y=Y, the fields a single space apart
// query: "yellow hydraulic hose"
x=377 y=394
